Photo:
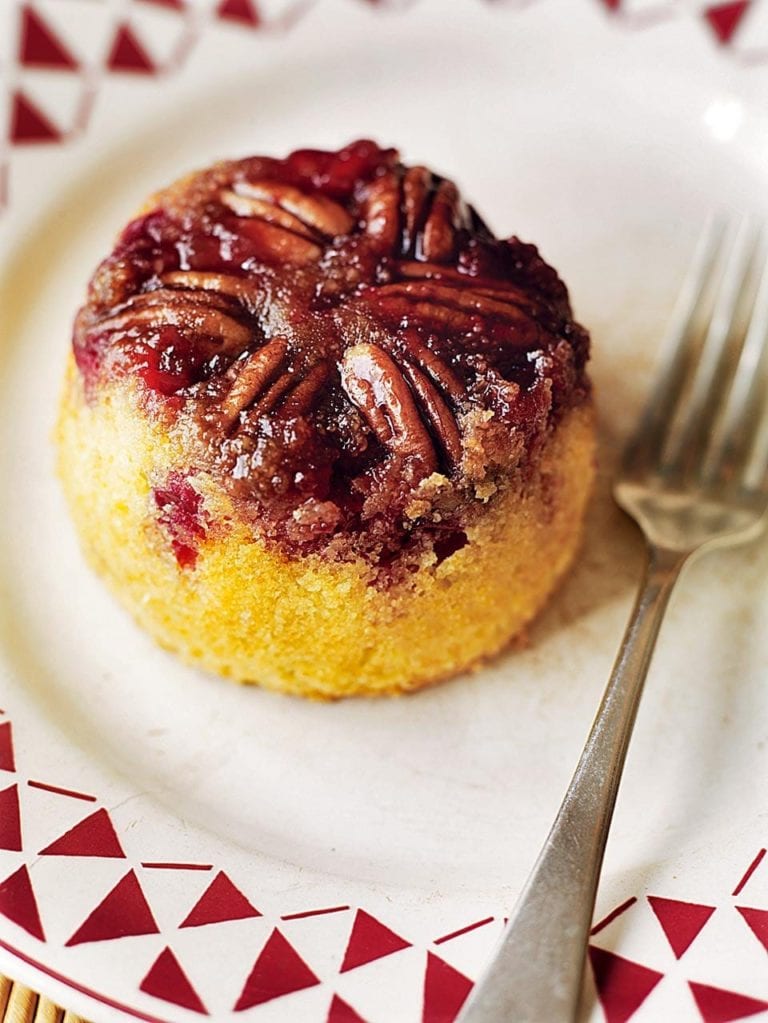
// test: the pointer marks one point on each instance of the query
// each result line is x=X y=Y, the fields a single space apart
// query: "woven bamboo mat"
x=20 y=1005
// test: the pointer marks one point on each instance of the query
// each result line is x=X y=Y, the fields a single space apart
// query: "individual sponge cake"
x=321 y=430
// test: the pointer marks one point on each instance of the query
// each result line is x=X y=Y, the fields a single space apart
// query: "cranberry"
x=337 y=174
x=448 y=542
x=169 y=362
x=89 y=351
x=182 y=515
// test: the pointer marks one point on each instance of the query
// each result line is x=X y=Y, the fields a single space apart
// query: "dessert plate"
x=172 y=845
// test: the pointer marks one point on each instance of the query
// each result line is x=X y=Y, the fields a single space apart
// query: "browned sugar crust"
x=342 y=342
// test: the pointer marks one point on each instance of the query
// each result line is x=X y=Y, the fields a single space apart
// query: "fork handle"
x=536 y=974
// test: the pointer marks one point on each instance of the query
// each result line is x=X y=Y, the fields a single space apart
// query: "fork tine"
x=756 y=474
x=735 y=427
x=644 y=448
x=688 y=437
x=756 y=470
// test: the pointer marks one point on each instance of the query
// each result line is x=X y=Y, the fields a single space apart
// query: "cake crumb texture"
x=311 y=626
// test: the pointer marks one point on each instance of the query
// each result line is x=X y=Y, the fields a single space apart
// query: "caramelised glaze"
x=344 y=342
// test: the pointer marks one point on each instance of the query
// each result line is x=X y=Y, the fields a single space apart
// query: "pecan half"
x=449 y=297
x=171 y=308
x=449 y=309
x=416 y=214
x=375 y=384
x=381 y=213
x=255 y=298
x=304 y=395
x=417 y=182
x=277 y=244
x=437 y=413
x=315 y=212
x=488 y=287
x=437 y=368
x=247 y=206
x=447 y=215
x=251 y=377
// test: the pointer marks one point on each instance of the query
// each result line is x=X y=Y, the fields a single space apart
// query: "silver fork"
x=694 y=476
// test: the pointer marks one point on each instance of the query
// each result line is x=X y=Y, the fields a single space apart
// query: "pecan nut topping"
x=340 y=339
x=376 y=385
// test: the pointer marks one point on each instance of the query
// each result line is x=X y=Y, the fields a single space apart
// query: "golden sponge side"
x=312 y=626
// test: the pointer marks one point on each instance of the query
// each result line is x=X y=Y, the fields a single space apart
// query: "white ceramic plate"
x=366 y=835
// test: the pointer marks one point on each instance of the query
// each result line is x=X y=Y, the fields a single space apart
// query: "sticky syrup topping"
x=343 y=340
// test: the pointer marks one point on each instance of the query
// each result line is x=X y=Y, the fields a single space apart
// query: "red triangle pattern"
x=127 y=53
x=39 y=46
x=122 y=913
x=370 y=940
x=18 y=903
x=239 y=10
x=717 y=1005
x=681 y=921
x=445 y=991
x=622 y=985
x=612 y=5
x=10 y=820
x=278 y=971
x=94 y=836
x=168 y=981
x=221 y=901
x=176 y=5
x=757 y=921
x=724 y=19
x=6 y=745
x=29 y=124
x=341 y=1012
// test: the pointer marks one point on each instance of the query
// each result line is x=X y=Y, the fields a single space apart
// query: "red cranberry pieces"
x=337 y=174
x=182 y=515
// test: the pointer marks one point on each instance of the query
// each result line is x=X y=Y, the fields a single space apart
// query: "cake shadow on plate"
x=609 y=561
